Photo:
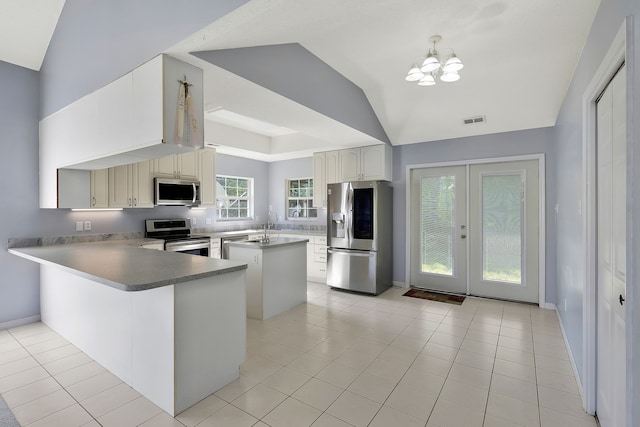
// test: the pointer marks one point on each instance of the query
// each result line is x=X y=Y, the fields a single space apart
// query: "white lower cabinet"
x=214 y=249
x=320 y=259
x=156 y=246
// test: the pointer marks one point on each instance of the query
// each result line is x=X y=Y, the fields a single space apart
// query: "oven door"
x=190 y=247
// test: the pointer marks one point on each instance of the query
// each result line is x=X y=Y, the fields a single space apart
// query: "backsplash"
x=63 y=240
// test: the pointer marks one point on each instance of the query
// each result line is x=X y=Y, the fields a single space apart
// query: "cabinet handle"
x=135 y=201
x=129 y=203
x=93 y=201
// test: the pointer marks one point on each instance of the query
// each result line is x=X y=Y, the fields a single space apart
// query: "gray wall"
x=288 y=68
x=19 y=290
x=97 y=41
x=247 y=168
x=534 y=141
x=568 y=140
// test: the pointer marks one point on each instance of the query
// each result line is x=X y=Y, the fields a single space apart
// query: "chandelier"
x=433 y=67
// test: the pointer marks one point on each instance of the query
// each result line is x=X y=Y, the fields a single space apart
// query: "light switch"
x=79 y=226
x=208 y=220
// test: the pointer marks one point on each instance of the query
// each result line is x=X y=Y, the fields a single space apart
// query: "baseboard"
x=19 y=322
x=399 y=284
x=548 y=306
x=571 y=358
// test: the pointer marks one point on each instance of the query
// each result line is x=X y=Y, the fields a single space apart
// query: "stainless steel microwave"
x=176 y=192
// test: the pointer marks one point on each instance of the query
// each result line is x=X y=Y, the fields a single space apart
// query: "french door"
x=474 y=229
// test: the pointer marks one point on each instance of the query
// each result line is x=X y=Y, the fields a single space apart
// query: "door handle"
x=621 y=299
x=463 y=236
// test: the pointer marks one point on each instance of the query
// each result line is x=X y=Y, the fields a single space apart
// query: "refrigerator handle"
x=349 y=215
x=350 y=252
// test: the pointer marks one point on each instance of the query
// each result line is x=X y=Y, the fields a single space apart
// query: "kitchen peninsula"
x=276 y=273
x=172 y=326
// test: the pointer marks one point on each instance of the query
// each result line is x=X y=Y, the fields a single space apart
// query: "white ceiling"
x=26 y=27
x=519 y=58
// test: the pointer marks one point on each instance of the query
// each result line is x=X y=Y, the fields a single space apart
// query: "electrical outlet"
x=87 y=226
x=255 y=259
x=194 y=221
x=79 y=226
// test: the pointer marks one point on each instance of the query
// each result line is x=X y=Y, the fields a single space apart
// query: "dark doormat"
x=435 y=296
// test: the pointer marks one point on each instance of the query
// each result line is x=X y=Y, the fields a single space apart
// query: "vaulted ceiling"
x=519 y=59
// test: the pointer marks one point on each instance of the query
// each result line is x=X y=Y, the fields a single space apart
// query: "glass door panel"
x=363 y=213
x=503 y=230
x=502 y=220
x=438 y=222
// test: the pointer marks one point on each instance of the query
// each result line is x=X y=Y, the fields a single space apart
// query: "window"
x=300 y=199
x=234 y=197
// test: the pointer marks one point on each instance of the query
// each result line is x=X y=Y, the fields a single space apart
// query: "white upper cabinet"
x=376 y=163
x=131 y=186
x=207 y=176
x=349 y=165
x=131 y=119
x=332 y=174
x=100 y=188
x=365 y=163
x=319 y=181
x=371 y=163
x=188 y=165
x=177 y=166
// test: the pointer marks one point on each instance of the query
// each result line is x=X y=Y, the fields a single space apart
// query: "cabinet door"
x=142 y=184
x=349 y=164
x=331 y=161
x=188 y=165
x=165 y=166
x=373 y=163
x=319 y=183
x=207 y=176
x=310 y=256
x=120 y=187
x=100 y=188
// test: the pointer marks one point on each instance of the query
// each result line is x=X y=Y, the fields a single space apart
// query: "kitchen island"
x=276 y=273
x=172 y=326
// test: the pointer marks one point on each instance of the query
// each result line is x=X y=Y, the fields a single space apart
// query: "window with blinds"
x=502 y=227
x=437 y=224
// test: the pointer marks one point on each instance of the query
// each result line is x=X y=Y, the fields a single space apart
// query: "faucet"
x=265 y=238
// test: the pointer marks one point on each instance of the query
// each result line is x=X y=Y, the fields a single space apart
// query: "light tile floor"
x=340 y=360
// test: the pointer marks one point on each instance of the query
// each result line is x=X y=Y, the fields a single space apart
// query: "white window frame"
x=308 y=198
x=223 y=200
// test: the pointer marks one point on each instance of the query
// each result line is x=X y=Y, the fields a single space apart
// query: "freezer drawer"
x=352 y=270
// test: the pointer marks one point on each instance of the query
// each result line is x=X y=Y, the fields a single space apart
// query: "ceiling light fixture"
x=432 y=67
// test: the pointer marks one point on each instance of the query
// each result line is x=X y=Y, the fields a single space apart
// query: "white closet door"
x=611 y=288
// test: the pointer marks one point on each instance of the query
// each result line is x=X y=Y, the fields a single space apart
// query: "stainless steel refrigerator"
x=359 y=225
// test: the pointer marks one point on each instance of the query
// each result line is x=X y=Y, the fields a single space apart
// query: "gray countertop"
x=125 y=265
x=274 y=242
x=219 y=234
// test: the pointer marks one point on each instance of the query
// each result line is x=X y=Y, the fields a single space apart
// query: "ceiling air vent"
x=475 y=120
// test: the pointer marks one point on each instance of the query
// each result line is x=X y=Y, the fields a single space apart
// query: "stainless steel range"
x=177 y=236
